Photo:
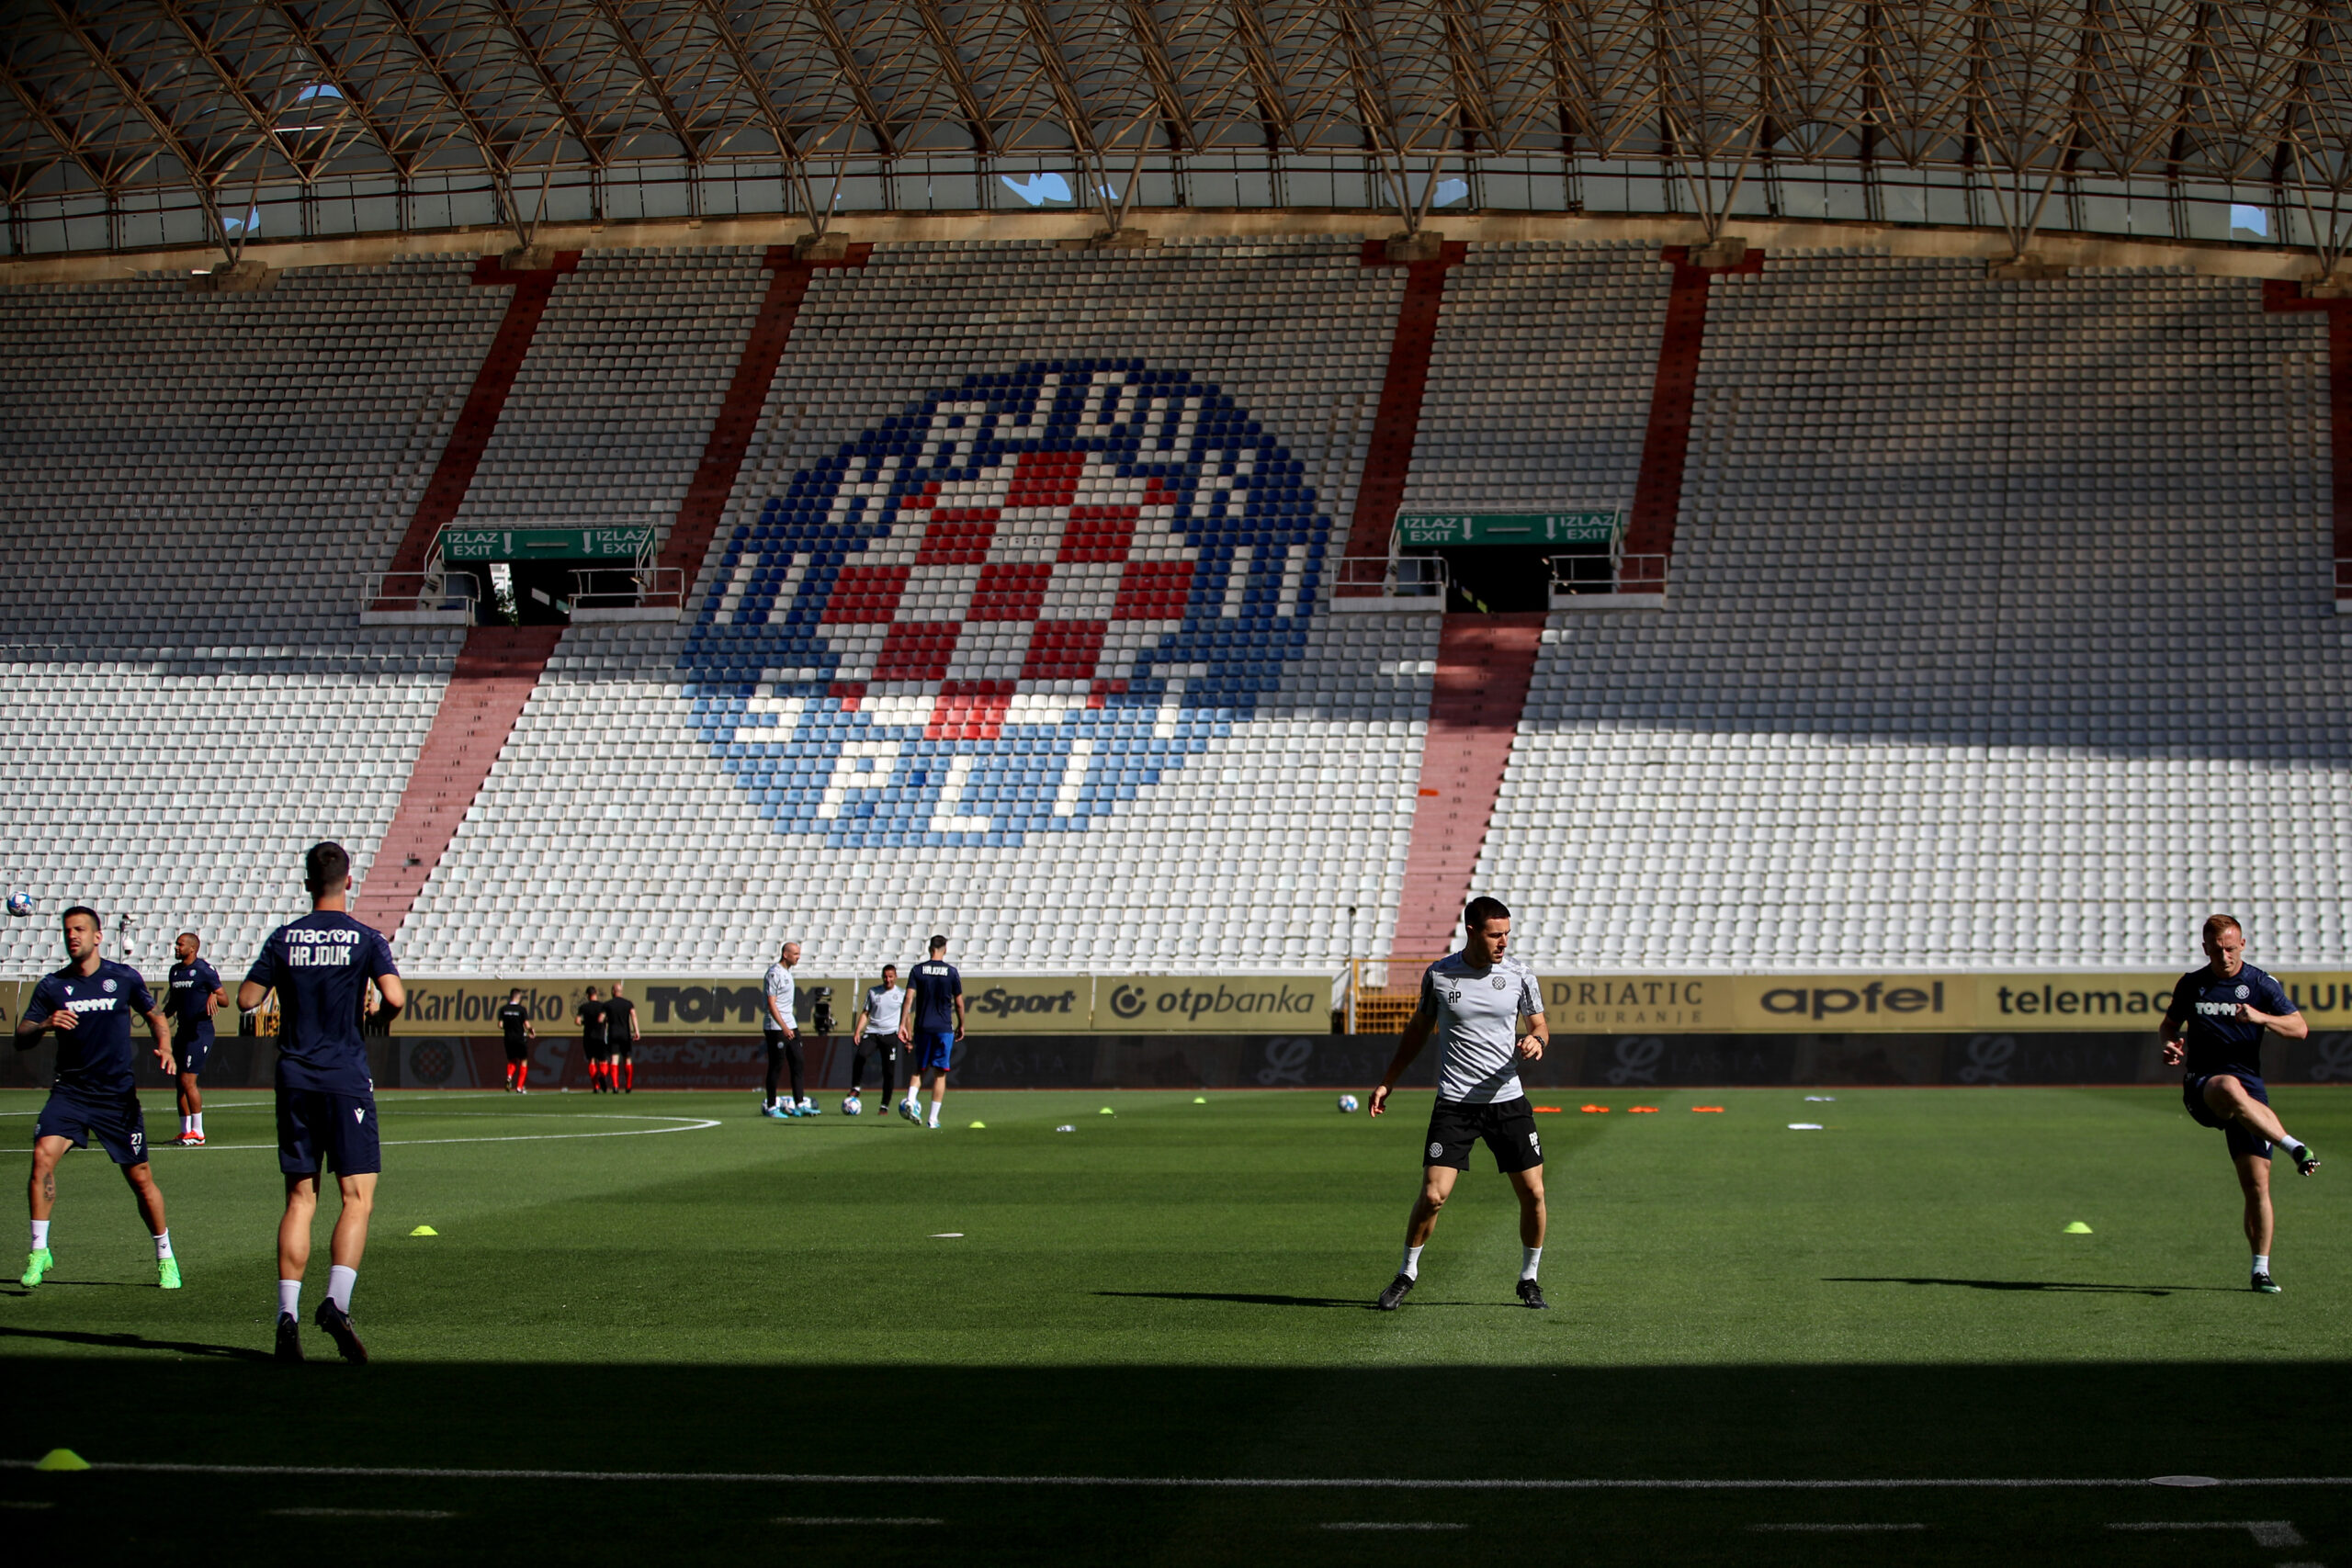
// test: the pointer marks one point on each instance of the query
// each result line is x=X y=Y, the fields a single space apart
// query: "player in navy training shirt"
x=89 y=1003
x=2213 y=1030
x=321 y=966
x=932 y=1022
x=194 y=992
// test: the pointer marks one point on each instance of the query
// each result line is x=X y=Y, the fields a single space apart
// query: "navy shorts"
x=2241 y=1142
x=315 y=1125
x=192 y=1051
x=934 y=1049
x=115 y=1121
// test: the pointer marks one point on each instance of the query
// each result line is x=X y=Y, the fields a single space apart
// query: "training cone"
x=1200 y=1099
x=980 y=1126
x=62 y=1459
x=1108 y=1112
x=424 y=1230
x=2077 y=1227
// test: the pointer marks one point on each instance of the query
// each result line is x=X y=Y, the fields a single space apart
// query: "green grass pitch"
x=1182 y=1290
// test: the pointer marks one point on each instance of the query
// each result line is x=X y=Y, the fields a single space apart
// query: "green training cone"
x=980 y=1126
x=424 y=1230
x=62 y=1459
x=2077 y=1227
x=1200 y=1099
x=1108 y=1112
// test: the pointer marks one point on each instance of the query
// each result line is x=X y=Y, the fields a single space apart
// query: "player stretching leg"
x=876 y=1031
x=89 y=1003
x=1473 y=1001
x=515 y=1021
x=194 y=994
x=2214 y=1027
x=933 y=1022
x=321 y=967
x=780 y=1035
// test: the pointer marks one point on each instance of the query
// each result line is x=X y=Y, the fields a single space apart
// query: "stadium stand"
x=2001 y=628
x=611 y=408
x=1539 y=385
x=682 y=869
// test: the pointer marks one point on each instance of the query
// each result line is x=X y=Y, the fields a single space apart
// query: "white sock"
x=2292 y=1145
x=289 y=1298
x=1530 y=1257
x=41 y=1235
x=2262 y=1263
x=935 y=1113
x=187 y=1125
x=1412 y=1265
x=339 y=1282
x=163 y=1244
x=198 y=1118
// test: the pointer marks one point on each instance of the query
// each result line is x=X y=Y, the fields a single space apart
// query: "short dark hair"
x=1479 y=910
x=326 y=866
x=96 y=924
x=938 y=943
x=889 y=969
x=192 y=937
x=516 y=992
x=591 y=990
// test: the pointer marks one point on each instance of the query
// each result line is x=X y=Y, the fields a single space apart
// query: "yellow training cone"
x=424 y=1230
x=1108 y=1112
x=62 y=1459
x=980 y=1126
x=2077 y=1227
x=1200 y=1099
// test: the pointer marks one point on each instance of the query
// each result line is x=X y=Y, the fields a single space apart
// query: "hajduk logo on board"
x=1003 y=611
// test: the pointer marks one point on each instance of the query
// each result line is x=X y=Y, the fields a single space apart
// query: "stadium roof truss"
x=137 y=124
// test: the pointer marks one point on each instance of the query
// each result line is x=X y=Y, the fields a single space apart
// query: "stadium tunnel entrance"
x=539 y=576
x=1502 y=579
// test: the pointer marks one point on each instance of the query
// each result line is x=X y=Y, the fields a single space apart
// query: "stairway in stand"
x=1484 y=664
x=495 y=674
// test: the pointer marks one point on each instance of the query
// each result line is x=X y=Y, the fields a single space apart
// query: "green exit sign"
x=545 y=544
x=1507 y=527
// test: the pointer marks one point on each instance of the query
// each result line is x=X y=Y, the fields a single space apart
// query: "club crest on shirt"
x=108 y=986
x=1004 y=610
x=1497 y=982
x=2243 y=991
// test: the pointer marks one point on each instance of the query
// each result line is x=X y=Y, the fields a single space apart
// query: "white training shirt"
x=882 y=1005
x=780 y=991
x=1476 y=1013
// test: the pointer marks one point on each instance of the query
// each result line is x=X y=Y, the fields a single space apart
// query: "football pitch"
x=658 y=1325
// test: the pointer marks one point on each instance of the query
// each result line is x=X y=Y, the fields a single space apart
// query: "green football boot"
x=168 y=1273
x=37 y=1263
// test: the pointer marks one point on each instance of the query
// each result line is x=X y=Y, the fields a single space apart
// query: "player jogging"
x=321 y=967
x=1473 y=1001
x=191 y=998
x=589 y=1016
x=2214 y=1029
x=875 y=1034
x=96 y=1093
x=620 y=1041
x=514 y=1018
x=931 y=1020
x=782 y=1036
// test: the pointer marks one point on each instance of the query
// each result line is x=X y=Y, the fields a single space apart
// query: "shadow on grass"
x=131 y=1342
x=1243 y=1298
x=2084 y=1289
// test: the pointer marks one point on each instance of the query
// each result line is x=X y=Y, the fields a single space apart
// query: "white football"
x=20 y=904
x=853 y=1107
x=1347 y=1102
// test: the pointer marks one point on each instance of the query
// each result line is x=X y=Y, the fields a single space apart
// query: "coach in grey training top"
x=1473 y=1001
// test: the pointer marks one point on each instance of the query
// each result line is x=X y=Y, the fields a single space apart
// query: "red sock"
x=522 y=1073
x=632 y=1074
x=595 y=1075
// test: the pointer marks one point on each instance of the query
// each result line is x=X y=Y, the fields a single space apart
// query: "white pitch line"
x=363 y=1513
x=1248 y=1483
x=687 y=1124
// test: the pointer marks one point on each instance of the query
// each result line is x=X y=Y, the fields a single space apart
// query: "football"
x=1347 y=1102
x=20 y=904
x=852 y=1107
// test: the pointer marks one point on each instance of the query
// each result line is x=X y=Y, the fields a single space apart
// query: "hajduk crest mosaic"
x=1007 y=609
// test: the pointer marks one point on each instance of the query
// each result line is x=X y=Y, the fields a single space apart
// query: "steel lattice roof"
x=114 y=102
